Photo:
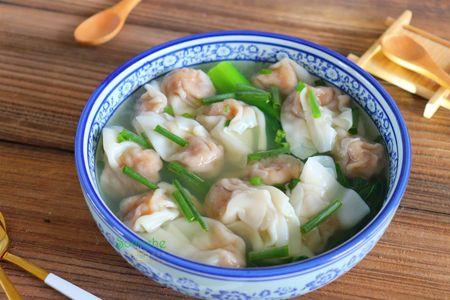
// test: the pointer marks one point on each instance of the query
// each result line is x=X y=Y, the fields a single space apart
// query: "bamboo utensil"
x=66 y=288
x=376 y=62
x=409 y=54
x=105 y=25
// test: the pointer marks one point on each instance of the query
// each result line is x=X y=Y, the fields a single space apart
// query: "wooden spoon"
x=409 y=54
x=105 y=25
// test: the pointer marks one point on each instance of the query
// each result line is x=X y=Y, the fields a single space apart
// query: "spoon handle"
x=124 y=7
x=61 y=285
x=8 y=287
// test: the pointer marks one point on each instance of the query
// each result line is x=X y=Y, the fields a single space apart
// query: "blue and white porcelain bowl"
x=206 y=281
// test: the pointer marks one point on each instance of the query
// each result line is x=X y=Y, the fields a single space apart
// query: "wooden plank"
x=309 y=19
x=45 y=78
x=49 y=224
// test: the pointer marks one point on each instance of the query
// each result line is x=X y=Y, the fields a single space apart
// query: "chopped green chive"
x=249 y=88
x=218 y=98
x=275 y=94
x=261 y=101
x=227 y=109
x=269 y=253
x=126 y=135
x=293 y=183
x=178 y=169
x=319 y=82
x=187 y=115
x=280 y=136
x=139 y=178
x=196 y=215
x=169 y=135
x=300 y=87
x=355 y=121
x=227 y=123
x=252 y=96
x=183 y=205
x=256 y=180
x=225 y=76
x=146 y=139
x=272 y=152
x=314 y=104
x=321 y=216
x=169 y=110
x=265 y=71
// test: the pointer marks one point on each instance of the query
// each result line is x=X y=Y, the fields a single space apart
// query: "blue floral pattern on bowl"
x=209 y=282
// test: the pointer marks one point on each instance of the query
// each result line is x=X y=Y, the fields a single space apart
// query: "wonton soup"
x=242 y=164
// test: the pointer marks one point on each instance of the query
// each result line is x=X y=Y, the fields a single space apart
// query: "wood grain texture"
x=45 y=80
x=49 y=223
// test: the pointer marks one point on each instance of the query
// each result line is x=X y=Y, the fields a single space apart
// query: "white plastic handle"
x=68 y=289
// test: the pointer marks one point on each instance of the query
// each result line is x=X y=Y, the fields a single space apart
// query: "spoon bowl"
x=408 y=53
x=105 y=25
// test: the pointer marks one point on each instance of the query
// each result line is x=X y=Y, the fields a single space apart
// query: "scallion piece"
x=275 y=94
x=272 y=152
x=226 y=109
x=300 y=87
x=183 y=205
x=126 y=135
x=321 y=216
x=256 y=180
x=355 y=121
x=261 y=101
x=225 y=76
x=196 y=215
x=218 y=98
x=265 y=71
x=249 y=96
x=173 y=137
x=146 y=139
x=314 y=104
x=269 y=253
x=241 y=87
x=187 y=115
x=227 y=123
x=178 y=169
x=169 y=110
x=139 y=178
x=280 y=136
x=293 y=183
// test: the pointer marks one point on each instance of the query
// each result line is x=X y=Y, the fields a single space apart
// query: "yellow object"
x=26 y=265
x=375 y=62
x=409 y=54
x=8 y=287
x=105 y=25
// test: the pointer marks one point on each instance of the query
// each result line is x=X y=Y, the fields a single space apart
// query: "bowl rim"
x=204 y=270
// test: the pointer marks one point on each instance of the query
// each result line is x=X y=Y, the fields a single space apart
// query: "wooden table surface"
x=45 y=80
